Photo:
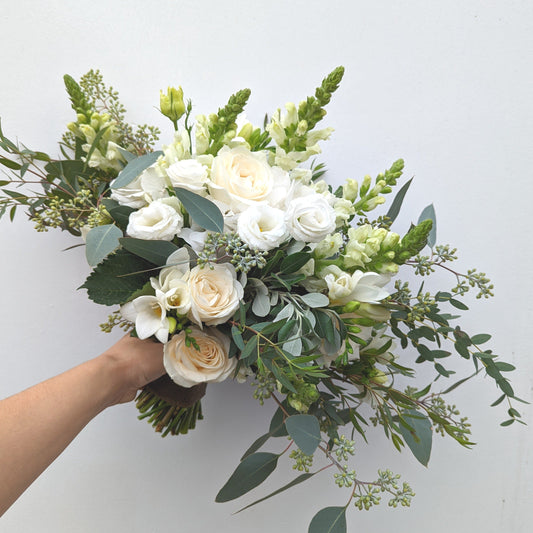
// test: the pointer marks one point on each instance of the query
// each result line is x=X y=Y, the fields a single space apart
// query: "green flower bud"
x=246 y=131
x=172 y=324
x=350 y=190
x=171 y=104
x=350 y=307
x=367 y=181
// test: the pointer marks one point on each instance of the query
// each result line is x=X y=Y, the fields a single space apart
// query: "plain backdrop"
x=445 y=85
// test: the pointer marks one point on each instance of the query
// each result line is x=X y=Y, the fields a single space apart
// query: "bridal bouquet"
x=228 y=247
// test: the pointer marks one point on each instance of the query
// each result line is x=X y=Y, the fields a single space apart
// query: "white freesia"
x=158 y=221
x=262 y=227
x=215 y=293
x=172 y=283
x=344 y=287
x=310 y=218
x=188 y=366
x=149 y=315
x=189 y=174
x=240 y=178
x=195 y=239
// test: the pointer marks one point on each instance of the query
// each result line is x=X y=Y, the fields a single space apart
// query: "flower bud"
x=171 y=104
x=350 y=307
x=172 y=324
x=349 y=191
x=246 y=131
x=367 y=181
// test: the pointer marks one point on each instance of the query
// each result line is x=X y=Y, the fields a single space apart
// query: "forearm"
x=37 y=424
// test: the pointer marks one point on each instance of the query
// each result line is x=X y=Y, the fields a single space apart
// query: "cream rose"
x=240 y=178
x=158 y=221
x=188 y=366
x=215 y=294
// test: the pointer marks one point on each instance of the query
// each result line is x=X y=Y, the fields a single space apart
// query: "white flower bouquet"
x=232 y=251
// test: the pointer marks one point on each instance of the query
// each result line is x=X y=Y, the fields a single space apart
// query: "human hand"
x=133 y=364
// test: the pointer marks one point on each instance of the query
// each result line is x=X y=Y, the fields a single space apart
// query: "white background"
x=445 y=85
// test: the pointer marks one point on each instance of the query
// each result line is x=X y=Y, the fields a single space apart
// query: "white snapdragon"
x=262 y=227
x=160 y=220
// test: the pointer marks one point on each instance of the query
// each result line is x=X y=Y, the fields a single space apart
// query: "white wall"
x=446 y=85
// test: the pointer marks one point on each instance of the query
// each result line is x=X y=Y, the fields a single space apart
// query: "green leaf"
x=481 y=338
x=117 y=277
x=294 y=262
x=498 y=401
x=429 y=213
x=204 y=212
x=315 y=299
x=156 y=252
x=305 y=431
x=419 y=437
x=10 y=164
x=134 y=169
x=100 y=242
x=329 y=520
x=256 y=445
x=277 y=424
x=458 y=304
x=237 y=337
x=250 y=349
x=249 y=474
x=396 y=205
x=296 y=481
x=121 y=215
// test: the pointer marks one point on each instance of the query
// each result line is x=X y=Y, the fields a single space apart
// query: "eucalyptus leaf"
x=419 y=438
x=329 y=520
x=261 y=304
x=134 y=168
x=204 y=212
x=296 y=481
x=250 y=473
x=429 y=213
x=293 y=346
x=156 y=252
x=100 y=242
x=315 y=299
x=396 y=205
x=305 y=431
x=286 y=312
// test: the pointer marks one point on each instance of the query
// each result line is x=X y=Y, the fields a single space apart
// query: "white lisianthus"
x=310 y=218
x=215 y=294
x=240 y=178
x=189 y=174
x=262 y=227
x=149 y=315
x=344 y=287
x=160 y=220
x=131 y=195
x=188 y=366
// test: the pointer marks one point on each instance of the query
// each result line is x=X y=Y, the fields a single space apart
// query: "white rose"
x=262 y=227
x=241 y=178
x=189 y=174
x=188 y=366
x=215 y=294
x=310 y=218
x=158 y=221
